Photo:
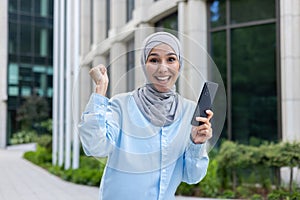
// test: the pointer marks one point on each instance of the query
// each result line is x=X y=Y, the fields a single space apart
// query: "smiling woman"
x=146 y=133
x=162 y=67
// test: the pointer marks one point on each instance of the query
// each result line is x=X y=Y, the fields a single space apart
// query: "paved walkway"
x=22 y=180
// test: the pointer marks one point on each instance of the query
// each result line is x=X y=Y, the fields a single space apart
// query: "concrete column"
x=75 y=89
x=61 y=85
x=143 y=30
x=182 y=36
x=69 y=78
x=99 y=22
x=3 y=71
x=99 y=30
x=290 y=70
x=85 y=36
x=85 y=25
x=141 y=9
x=196 y=69
x=118 y=68
x=290 y=74
x=139 y=3
x=55 y=83
x=117 y=16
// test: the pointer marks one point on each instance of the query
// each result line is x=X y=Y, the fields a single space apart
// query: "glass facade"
x=129 y=9
x=243 y=44
x=130 y=58
x=168 y=24
x=107 y=17
x=30 y=54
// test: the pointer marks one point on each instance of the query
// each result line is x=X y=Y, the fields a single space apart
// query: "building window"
x=169 y=24
x=244 y=47
x=30 y=54
x=107 y=17
x=91 y=22
x=129 y=9
x=130 y=65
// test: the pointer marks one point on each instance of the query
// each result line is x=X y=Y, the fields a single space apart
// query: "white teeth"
x=163 y=78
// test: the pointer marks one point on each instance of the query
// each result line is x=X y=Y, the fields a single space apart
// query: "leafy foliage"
x=250 y=165
x=30 y=135
x=89 y=173
x=33 y=111
x=23 y=136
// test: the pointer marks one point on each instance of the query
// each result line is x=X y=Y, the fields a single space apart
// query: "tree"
x=32 y=112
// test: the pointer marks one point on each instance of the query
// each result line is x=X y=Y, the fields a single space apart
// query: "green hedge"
x=233 y=157
x=235 y=171
x=244 y=171
x=89 y=172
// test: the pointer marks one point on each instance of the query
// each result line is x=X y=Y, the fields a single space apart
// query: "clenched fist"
x=99 y=75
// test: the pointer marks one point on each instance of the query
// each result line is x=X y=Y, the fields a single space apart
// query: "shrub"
x=185 y=189
x=23 y=136
x=39 y=157
x=257 y=197
x=89 y=173
x=45 y=141
x=228 y=194
x=211 y=183
x=32 y=112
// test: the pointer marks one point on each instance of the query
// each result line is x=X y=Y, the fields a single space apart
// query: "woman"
x=146 y=134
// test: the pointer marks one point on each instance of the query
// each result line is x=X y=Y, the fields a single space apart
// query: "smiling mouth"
x=163 y=78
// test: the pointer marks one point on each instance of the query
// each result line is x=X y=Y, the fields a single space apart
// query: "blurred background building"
x=26 y=58
x=255 y=45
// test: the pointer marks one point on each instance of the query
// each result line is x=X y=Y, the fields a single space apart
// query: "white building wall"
x=290 y=75
x=290 y=68
x=193 y=37
x=85 y=47
x=3 y=70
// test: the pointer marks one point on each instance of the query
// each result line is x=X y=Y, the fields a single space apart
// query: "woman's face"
x=162 y=67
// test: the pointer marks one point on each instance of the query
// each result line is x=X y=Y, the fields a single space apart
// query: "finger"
x=210 y=114
x=95 y=74
x=202 y=119
x=203 y=132
x=204 y=126
x=102 y=68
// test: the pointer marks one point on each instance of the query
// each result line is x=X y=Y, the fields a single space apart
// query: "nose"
x=162 y=68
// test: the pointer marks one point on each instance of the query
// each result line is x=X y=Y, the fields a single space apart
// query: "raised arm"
x=95 y=131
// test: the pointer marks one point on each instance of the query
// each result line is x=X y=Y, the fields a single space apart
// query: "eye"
x=153 y=60
x=172 y=59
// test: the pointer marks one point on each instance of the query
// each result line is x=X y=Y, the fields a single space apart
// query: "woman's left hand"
x=200 y=134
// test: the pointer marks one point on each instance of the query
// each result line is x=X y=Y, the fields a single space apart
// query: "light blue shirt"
x=145 y=162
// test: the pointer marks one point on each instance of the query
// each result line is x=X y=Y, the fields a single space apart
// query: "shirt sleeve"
x=96 y=135
x=195 y=163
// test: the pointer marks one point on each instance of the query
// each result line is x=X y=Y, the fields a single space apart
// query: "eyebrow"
x=168 y=54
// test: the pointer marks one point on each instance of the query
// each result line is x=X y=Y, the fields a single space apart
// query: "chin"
x=162 y=89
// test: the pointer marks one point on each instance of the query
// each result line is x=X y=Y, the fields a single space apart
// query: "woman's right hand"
x=99 y=75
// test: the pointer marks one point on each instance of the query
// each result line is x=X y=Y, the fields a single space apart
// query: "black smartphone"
x=205 y=101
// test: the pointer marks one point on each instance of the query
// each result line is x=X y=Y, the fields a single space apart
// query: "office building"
x=26 y=58
x=254 y=44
